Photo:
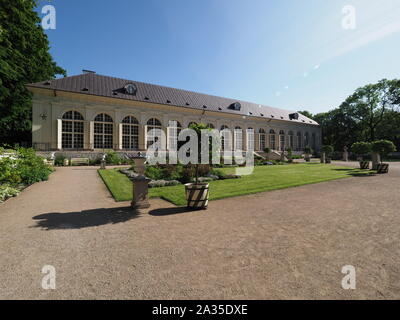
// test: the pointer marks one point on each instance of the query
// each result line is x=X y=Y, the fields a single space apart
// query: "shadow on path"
x=173 y=210
x=358 y=172
x=85 y=219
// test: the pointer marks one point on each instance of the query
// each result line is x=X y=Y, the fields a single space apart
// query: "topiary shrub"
x=361 y=148
x=383 y=147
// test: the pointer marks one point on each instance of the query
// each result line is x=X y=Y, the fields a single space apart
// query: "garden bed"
x=264 y=178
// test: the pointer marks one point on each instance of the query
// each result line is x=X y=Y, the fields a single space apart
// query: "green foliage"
x=154 y=172
x=27 y=168
x=370 y=113
x=31 y=167
x=59 y=160
x=328 y=149
x=361 y=148
x=308 y=150
x=24 y=58
x=7 y=192
x=267 y=150
x=383 y=147
x=264 y=178
x=113 y=158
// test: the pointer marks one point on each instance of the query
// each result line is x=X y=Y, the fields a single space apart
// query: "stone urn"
x=197 y=195
x=139 y=160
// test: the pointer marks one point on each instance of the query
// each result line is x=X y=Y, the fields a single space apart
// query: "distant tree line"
x=371 y=113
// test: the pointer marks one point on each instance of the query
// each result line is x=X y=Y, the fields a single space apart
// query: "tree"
x=24 y=58
x=368 y=104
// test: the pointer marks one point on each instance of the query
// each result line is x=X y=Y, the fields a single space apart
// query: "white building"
x=92 y=113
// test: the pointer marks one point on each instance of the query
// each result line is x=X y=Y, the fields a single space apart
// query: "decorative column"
x=91 y=135
x=120 y=128
x=59 y=134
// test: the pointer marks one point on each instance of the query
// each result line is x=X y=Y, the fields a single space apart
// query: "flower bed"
x=19 y=169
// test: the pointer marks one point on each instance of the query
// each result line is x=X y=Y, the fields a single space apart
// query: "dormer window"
x=235 y=106
x=131 y=89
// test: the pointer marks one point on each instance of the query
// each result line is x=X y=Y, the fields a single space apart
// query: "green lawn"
x=264 y=178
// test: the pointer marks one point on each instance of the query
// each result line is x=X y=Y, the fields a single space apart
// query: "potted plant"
x=307 y=153
x=361 y=149
x=327 y=150
x=197 y=193
x=383 y=148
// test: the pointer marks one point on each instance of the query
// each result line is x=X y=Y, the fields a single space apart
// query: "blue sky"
x=283 y=53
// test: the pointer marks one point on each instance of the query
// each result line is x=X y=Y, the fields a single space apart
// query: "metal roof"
x=105 y=86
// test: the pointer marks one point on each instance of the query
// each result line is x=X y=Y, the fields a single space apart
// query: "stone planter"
x=382 y=168
x=323 y=157
x=197 y=195
x=307 y=158
x=364 y=164
x=328 y=160
x=66 y=162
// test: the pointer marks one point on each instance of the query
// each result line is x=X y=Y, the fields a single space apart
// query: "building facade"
x=90 y=112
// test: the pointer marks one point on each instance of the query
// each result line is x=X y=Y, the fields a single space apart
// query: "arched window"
x=250 y=138
x=153 y=131
x=299 y=141
x=281 y=140
x=238 y=138
x=103 y=131
x=174 y=128
x=291 y=140
x=225 y=137
x=262 y=139
x=306 y=139
x=72 y=130
x=313 y=141
x=130 y=133
x=272 y=139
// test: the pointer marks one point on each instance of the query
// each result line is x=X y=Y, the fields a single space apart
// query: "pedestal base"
x=140 y=193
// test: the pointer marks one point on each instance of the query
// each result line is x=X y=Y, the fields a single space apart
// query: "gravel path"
x=283 y=244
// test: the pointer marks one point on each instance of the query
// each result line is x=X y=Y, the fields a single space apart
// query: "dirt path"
x=283 y=244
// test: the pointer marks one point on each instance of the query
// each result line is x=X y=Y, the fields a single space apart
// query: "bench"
x=79 y=161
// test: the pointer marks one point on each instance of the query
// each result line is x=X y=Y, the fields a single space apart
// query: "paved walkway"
x=283 y=244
